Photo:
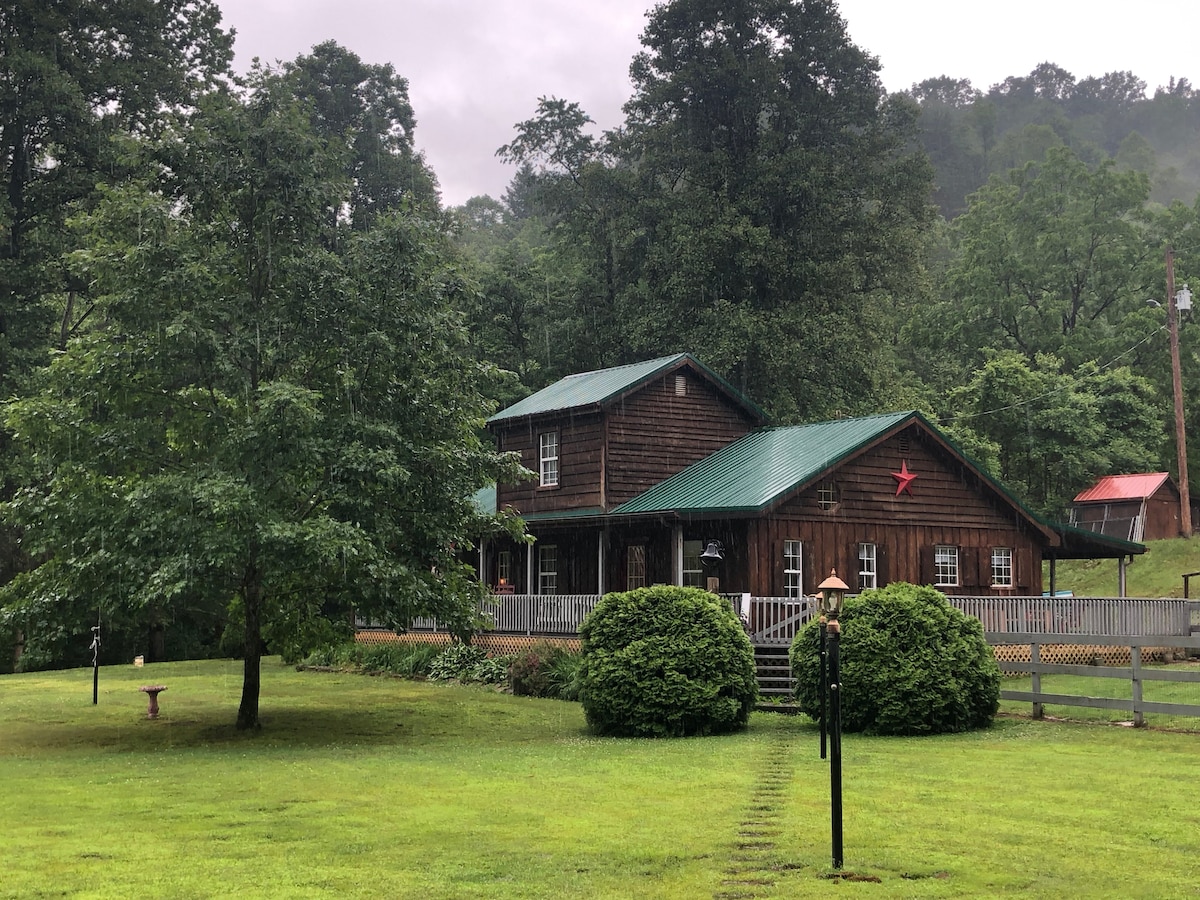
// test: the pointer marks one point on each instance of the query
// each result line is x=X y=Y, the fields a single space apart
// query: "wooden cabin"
x=641 y=468
x=1131 y=507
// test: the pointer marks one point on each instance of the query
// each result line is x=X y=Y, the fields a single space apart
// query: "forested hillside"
x=972 y=134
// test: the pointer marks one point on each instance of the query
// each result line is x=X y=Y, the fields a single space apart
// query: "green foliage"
x=408 y=660
x=666 y=662
x=545 y=670
x=565 y=676
x=970 y=134
x=762 y=206
x=910 y=664
x=278 y=410
x=405 y=660
x=1047 y=434
x=468 y=663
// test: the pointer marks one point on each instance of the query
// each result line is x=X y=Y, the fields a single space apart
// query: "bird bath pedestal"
x=152 y=691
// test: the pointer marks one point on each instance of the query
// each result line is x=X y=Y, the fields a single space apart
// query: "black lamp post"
x=833 y=591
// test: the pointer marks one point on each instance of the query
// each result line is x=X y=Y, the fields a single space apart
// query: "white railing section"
x=1079 y=615
x=777 y=620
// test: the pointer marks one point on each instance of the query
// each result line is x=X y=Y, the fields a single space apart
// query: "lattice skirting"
x=1081 y=654
x=493 y=644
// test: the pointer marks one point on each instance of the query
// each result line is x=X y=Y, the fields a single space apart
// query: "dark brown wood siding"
x=658 y=431
x=949 y=506
x=580 y=457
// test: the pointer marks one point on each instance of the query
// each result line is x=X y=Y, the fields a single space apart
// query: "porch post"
x=1121 y=577
x=600 y=545
x=482 y=571
x=677 y=555
x=530 y=587
x=1053 y=576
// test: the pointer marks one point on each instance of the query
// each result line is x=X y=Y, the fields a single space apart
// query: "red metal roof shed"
x=1123 y=487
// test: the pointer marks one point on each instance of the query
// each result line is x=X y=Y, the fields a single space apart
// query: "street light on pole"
x=833 y=591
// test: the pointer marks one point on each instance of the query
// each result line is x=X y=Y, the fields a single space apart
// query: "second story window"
x=828 y=496
x=548 y=458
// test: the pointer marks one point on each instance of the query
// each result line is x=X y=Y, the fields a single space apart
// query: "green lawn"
x=367 y=787
x=1156 y=573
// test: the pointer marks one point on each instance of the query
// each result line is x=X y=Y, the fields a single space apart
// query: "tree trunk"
x=252 y=652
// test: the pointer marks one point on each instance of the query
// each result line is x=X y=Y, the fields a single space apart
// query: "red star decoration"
x=904 y=479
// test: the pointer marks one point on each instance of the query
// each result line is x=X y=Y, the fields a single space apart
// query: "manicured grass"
x=366 y=787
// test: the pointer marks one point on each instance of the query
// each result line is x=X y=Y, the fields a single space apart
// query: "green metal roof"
x=603 y=385
x=485 y=500
x=753 y=472
x=1081 y=543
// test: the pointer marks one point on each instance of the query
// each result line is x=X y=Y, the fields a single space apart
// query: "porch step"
x=773 y=669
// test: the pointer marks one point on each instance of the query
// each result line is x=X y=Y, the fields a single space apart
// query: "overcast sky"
x=476 y=67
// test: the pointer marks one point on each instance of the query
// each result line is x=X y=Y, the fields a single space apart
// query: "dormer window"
x=548 y=458
x=828 y=496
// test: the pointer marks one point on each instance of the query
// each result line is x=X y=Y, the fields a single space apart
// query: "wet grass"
x=366 y=787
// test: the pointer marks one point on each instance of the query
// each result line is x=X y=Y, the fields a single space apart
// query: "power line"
x=1057 y=390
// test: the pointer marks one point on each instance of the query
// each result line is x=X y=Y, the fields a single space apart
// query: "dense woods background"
x=238 y=328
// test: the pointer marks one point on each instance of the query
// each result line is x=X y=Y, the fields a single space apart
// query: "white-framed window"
x=868 y=568
x=548 y=569
x=1002 y=567
x=635 y=567
x=693 y=570
x=828 y=496
x=548 y=458
x=504 y=567
x=945 y=566
x=793 y=569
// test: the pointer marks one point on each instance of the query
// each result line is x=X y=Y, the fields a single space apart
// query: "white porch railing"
x=777 y=620
x=1080 y=615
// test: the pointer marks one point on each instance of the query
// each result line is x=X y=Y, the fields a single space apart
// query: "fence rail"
x=1134 y=673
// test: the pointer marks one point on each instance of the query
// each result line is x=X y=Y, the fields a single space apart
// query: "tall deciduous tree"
x=1052 y=259
x=72 y=74
x=762 y=205
x=367 y=107
x=1048 y=433
x=274 y=412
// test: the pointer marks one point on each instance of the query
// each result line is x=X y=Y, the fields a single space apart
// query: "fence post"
x=1135 y=658
x=1035 y=656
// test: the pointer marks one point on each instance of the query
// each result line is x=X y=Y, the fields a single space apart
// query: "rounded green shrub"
x=665 y=662
x=910 y=664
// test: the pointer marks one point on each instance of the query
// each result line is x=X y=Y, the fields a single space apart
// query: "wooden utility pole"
x=1185 y=500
